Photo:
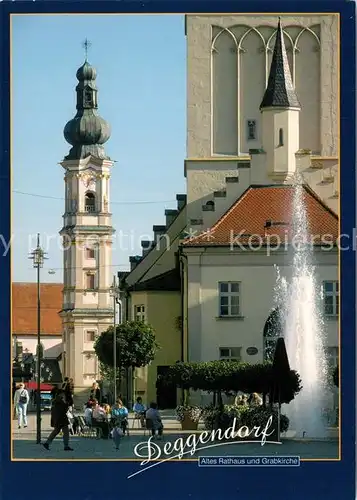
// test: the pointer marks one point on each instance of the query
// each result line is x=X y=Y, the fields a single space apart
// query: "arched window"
x=272 y=331
x=281 y=137
x=209 y=206
x=88 y=97
x=89 y=202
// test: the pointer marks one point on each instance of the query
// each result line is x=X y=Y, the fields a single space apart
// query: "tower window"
x=281 y=137
x=89 y=336
x=251 y=130
x=89 y=202
x=88 y=100
x=90 y=281
x=90 y=253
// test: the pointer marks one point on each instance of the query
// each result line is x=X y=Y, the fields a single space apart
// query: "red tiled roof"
x=245 y=221
x=24 y=308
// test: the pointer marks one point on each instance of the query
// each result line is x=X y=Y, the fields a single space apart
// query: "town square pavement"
x=90 y=448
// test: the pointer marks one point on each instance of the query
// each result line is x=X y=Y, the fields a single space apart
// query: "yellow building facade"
x=162 y=310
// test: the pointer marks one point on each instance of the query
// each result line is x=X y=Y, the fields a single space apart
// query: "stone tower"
x=87 y=235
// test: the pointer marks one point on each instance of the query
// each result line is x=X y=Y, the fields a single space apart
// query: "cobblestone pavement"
x=90 y=448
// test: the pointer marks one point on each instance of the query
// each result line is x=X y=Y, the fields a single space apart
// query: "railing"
x=89 y=208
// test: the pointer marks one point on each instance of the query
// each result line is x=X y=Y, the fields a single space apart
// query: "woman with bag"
x=21 y=400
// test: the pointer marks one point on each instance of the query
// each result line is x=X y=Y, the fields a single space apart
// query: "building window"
x=331 y=298
x=139 y=313
x=273 y=329
x=281 y=137
x=90 y=253
x=229 y=299
x=251 y=130
x=90 y=365
x=90 y=281
x=89 y=335
x=230 y=353
x=89 y=202
x=332 y=357
x=88 y=97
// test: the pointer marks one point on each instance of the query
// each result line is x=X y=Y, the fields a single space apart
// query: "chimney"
x=134 y=261
x=181 y=201
x=170 y=217
x=146 y=245
x=158 y=232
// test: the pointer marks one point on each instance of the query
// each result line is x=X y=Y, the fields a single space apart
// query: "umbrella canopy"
x=281 y=365
x=280 y=370
x=33 y=385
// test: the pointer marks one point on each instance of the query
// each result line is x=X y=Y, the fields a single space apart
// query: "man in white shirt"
x=21 y=400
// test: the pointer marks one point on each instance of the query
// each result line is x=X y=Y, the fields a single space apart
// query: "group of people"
x=114 y=419
x=104 y=417
x=252 y=400
x=107 y=420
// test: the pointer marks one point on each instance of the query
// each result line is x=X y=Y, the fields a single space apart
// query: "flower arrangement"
x=192 y=412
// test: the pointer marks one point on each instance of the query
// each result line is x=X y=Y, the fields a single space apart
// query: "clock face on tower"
x=88 y=180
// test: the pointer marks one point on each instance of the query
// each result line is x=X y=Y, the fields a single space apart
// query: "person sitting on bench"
x=139 y=410
x=154 y=416
x=99 y=420
x=120 y=414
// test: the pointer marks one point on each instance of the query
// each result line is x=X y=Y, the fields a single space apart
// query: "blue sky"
x=141 y=64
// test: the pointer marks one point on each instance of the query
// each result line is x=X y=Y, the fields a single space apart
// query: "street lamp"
x=38 y=257
x=115 y=294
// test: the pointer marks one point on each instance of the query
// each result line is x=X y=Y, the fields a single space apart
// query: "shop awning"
x=32 y=385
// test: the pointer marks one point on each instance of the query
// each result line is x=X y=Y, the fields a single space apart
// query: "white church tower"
x=280 y=109
x=87 y=235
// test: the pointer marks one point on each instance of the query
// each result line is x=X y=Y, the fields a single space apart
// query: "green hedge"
x=231 y=377
x=222 y=418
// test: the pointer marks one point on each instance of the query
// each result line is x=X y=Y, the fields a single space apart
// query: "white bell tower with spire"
x=280 y=110
x=87 y=235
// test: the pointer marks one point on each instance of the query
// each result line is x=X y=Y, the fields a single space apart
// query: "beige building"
x=153 y=294
x=284 y=121
x=228 y=65
x=240 y=138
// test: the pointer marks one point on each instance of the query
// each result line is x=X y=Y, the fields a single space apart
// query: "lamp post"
x=38 y=257
x=115 y=294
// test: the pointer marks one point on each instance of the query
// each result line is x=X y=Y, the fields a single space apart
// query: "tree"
x=135 y=346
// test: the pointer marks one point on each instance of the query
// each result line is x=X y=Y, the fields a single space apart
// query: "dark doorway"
x=165 y=393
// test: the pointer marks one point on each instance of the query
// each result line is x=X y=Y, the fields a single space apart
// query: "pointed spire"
x=280 y=92
x=86 y=45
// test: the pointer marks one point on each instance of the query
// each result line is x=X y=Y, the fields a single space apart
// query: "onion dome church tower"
x=87 y=235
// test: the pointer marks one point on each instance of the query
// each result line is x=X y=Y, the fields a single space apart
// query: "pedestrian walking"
x=21 y=400
x=59 y=421
x=117 y=433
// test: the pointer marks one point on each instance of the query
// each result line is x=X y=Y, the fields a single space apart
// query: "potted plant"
x=189 y=416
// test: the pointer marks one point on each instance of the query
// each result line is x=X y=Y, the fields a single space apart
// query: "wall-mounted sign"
x=251 y=351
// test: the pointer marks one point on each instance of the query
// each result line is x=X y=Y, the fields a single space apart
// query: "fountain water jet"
x=303 y=327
